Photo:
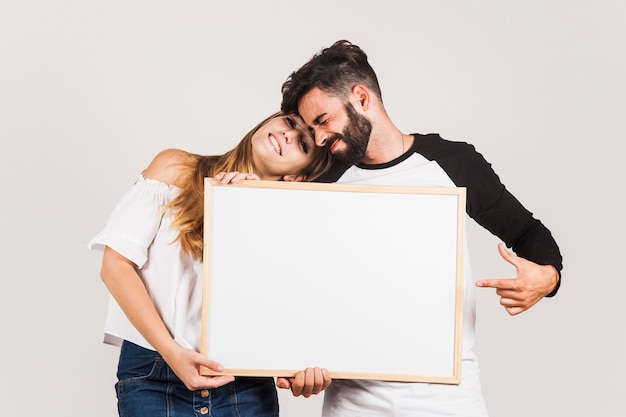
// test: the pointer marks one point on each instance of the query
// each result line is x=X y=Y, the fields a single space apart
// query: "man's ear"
x=361 y=97
x=298 y=177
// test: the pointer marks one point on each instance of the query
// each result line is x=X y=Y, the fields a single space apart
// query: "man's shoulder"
x=434 y=146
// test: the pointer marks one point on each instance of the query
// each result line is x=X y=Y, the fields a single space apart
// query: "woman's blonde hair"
x=188 y=205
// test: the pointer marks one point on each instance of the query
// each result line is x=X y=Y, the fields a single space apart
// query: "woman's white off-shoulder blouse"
x=141 y=231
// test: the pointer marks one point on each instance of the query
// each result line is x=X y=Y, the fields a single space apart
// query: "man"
x=338 y=96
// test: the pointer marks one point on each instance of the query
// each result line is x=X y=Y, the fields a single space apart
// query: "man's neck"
x=387 y=146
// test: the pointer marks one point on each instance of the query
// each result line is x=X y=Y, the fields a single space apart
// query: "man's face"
x=336 y=125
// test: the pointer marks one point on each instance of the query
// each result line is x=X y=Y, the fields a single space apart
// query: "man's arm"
x=538 y=259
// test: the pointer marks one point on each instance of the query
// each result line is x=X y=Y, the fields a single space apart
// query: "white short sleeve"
x=135 y=220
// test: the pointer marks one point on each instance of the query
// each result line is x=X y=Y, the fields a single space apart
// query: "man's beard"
x=356 y=136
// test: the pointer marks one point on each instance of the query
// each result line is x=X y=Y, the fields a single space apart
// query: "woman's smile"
x=275 y=143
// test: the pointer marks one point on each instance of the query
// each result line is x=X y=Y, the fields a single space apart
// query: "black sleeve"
x=490 y=204
x=334 y=173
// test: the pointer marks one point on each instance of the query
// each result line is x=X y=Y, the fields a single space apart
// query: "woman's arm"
x=125 y=285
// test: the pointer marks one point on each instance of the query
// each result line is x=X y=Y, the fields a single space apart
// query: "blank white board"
x=366 y=281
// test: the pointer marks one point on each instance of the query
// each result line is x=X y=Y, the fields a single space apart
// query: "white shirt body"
x=141 y=231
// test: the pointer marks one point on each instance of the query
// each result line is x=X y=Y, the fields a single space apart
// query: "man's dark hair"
x=335 y=70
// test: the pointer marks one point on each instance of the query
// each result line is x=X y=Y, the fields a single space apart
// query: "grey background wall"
x=90 y=91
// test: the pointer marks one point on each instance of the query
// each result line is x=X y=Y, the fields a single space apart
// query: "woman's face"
x=281 y=148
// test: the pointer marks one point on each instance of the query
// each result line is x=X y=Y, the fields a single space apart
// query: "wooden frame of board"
x=366 y=281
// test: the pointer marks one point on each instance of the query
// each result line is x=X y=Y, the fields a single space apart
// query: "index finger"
x=503 y=284
x=297 y=384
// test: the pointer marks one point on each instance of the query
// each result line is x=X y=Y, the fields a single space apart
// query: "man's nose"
x=320 y=137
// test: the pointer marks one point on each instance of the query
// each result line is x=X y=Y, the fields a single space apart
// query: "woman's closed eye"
x=304 y=146
x=290 y=122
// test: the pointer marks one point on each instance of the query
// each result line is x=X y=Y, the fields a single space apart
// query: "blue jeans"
x=148 y=387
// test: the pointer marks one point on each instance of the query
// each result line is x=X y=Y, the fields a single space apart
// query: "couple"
x=333 y=128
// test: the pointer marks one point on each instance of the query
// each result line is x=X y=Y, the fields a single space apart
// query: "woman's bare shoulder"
x=169 y=165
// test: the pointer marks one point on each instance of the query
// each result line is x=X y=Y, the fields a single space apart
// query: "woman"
x=152 y=266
